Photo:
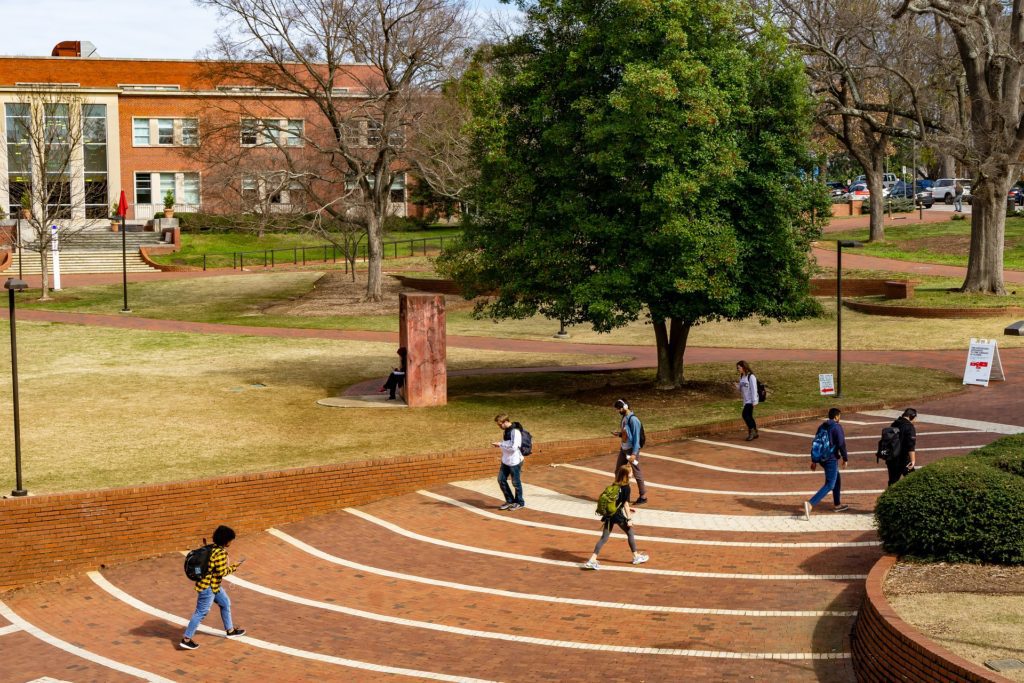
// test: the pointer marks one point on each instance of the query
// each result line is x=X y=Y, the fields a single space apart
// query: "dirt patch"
x=905 y=579
x=338 y=294
x=948 y=244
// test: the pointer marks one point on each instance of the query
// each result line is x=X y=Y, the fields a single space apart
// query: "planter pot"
x=168 y=213
x=115 y=226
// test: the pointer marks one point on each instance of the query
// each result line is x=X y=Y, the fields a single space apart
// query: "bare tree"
x=44 y=147
x=360 y=115
x=868 y=77
x=989 y=37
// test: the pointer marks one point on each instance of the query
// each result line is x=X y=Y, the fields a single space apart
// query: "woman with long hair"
x=616 y=513
x=748 y=390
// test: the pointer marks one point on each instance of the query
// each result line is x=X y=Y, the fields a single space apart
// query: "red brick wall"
x=44 y=537
x=913 y=312
x=851 y=287
x=886 y=648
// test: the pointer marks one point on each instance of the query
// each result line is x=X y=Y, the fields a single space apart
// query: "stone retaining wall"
x=886 y=648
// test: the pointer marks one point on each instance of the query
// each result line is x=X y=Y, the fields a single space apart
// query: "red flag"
x=122 y=206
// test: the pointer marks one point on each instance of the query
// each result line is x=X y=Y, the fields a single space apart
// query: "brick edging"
x=52 y=535
x=144 y=253
x=886 y=648
x=920 y=312
x=5 y=260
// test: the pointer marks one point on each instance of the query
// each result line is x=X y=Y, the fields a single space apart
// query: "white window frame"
x=177 y=138
x=277 y=135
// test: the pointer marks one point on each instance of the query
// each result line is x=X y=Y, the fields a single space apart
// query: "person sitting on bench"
x=397 y=376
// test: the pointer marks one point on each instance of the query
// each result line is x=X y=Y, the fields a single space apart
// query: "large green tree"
x=642 y=160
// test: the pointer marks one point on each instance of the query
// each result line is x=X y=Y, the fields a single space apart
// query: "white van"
x=888 y=180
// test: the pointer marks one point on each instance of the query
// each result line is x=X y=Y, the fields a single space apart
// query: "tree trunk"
x=44 y=274
x=876 y=232
x=671 y=340
x=375 y=256
x=988 y=229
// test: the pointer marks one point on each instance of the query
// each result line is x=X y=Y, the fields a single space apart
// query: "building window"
x=293 y=135
x=94 y=142
x=190 y=188
x=373 y=131
x=57 y=162
x=143 y=188
x=162 y=132
x=272 y=132
x=167 y=185
x=190 y=132
x=250 y=190
x=19 y=164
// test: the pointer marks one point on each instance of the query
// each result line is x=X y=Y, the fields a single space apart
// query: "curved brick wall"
x=423 y=284
x=44 y=537
x=886 y=648
x=912 y=312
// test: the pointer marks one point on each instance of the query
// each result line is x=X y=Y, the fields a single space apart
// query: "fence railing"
x=326 y=253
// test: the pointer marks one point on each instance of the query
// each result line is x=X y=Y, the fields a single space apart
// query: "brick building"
x=143 y=120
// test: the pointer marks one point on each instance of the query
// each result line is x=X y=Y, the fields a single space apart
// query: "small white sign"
x=55 y=257
x=826 y=385
x=983 y=363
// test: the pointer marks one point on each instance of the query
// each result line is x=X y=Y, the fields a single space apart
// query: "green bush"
x=963 y=509
x=898 y=206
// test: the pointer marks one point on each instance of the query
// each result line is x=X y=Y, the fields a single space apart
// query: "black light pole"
x=122 y=209
x=13 y=286
x=839 y=310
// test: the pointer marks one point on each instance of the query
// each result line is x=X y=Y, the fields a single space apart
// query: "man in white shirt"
x=511 y=463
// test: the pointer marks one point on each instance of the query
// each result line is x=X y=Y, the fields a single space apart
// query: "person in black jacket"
x=397 y=376
x=906 y=460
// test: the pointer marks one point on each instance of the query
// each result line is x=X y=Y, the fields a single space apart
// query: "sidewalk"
x=902 y=220
x=851 y=259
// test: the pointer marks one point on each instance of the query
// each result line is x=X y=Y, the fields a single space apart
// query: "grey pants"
x=607 y=531
x=637 y=474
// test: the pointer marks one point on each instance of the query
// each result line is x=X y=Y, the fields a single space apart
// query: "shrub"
x=406 y=224
x=898 y=206
x=963 y=509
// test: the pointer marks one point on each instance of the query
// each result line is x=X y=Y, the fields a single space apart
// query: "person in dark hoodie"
x=906 y=461
x=833 y=482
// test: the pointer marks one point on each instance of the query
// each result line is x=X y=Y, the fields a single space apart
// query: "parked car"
x=837 y=189
x=888 y=180
x=858 y=191
x=944 y=189
x=905 y=190
x=1016 y=193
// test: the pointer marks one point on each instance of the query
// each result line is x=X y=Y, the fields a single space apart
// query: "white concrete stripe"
x=577 y=565
x=9 y=629
x=487 y=590
x=512 y=519
x=504 y=637
x=720 y=492
x=860 y=422
x=546 y=500
x=717 y=468
x=124 y=597
x=56 y=642
x=723 y=444
x=977 y=425
x=871 y=436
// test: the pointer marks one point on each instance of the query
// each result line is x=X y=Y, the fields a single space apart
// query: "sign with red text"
x=826 y=385
x=983 y=364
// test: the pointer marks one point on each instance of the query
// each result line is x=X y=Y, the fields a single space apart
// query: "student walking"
x=958 y=197
x=906 y=460
x=613 y=506
x=830 y=464
x=630 y=434
x=748 y=390
x=211 y=591
x=511 y=463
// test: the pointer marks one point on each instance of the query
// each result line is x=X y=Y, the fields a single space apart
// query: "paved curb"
x=885 y=647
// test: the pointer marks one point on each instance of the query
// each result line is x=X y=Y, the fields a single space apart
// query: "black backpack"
x=888 y=445
x=526 y=447
x=762 y=391
x=197 y=562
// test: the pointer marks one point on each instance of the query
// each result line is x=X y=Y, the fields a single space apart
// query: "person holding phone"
x=211 y=591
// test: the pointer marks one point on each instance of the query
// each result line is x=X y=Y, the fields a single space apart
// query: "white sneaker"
x=807 y=511
x=591 y=564
x=506 y=506
x=641 y=558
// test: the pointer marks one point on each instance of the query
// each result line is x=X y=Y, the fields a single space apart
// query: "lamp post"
x=122 y=209
x=839 y=310
x=12 y=285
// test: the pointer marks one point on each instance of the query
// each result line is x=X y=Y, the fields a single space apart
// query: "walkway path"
x=844 y=223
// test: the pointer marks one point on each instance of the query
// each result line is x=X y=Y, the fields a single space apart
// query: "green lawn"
x=244 y=300
x=219 y=247
x=943 y=243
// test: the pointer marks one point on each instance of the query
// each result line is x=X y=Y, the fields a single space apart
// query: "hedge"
x=898 y=206
x=963 y=509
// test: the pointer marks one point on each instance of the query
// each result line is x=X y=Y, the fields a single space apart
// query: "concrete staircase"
x=94 y=252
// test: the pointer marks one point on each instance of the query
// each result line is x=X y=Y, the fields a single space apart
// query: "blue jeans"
x=204 y=601
x=517 y=481
x=833 y=482
x=958 y=203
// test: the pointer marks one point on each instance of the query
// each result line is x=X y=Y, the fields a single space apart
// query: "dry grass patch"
x=976 y=611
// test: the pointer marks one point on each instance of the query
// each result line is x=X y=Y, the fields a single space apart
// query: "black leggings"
x=607 y=531
x=748 y=415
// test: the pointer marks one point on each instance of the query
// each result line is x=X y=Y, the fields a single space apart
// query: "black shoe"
x=755 y=435
x=641 y=500
x=235 y=633
x=188 y=644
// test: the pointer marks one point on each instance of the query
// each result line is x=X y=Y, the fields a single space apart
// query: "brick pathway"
x=439 y=585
